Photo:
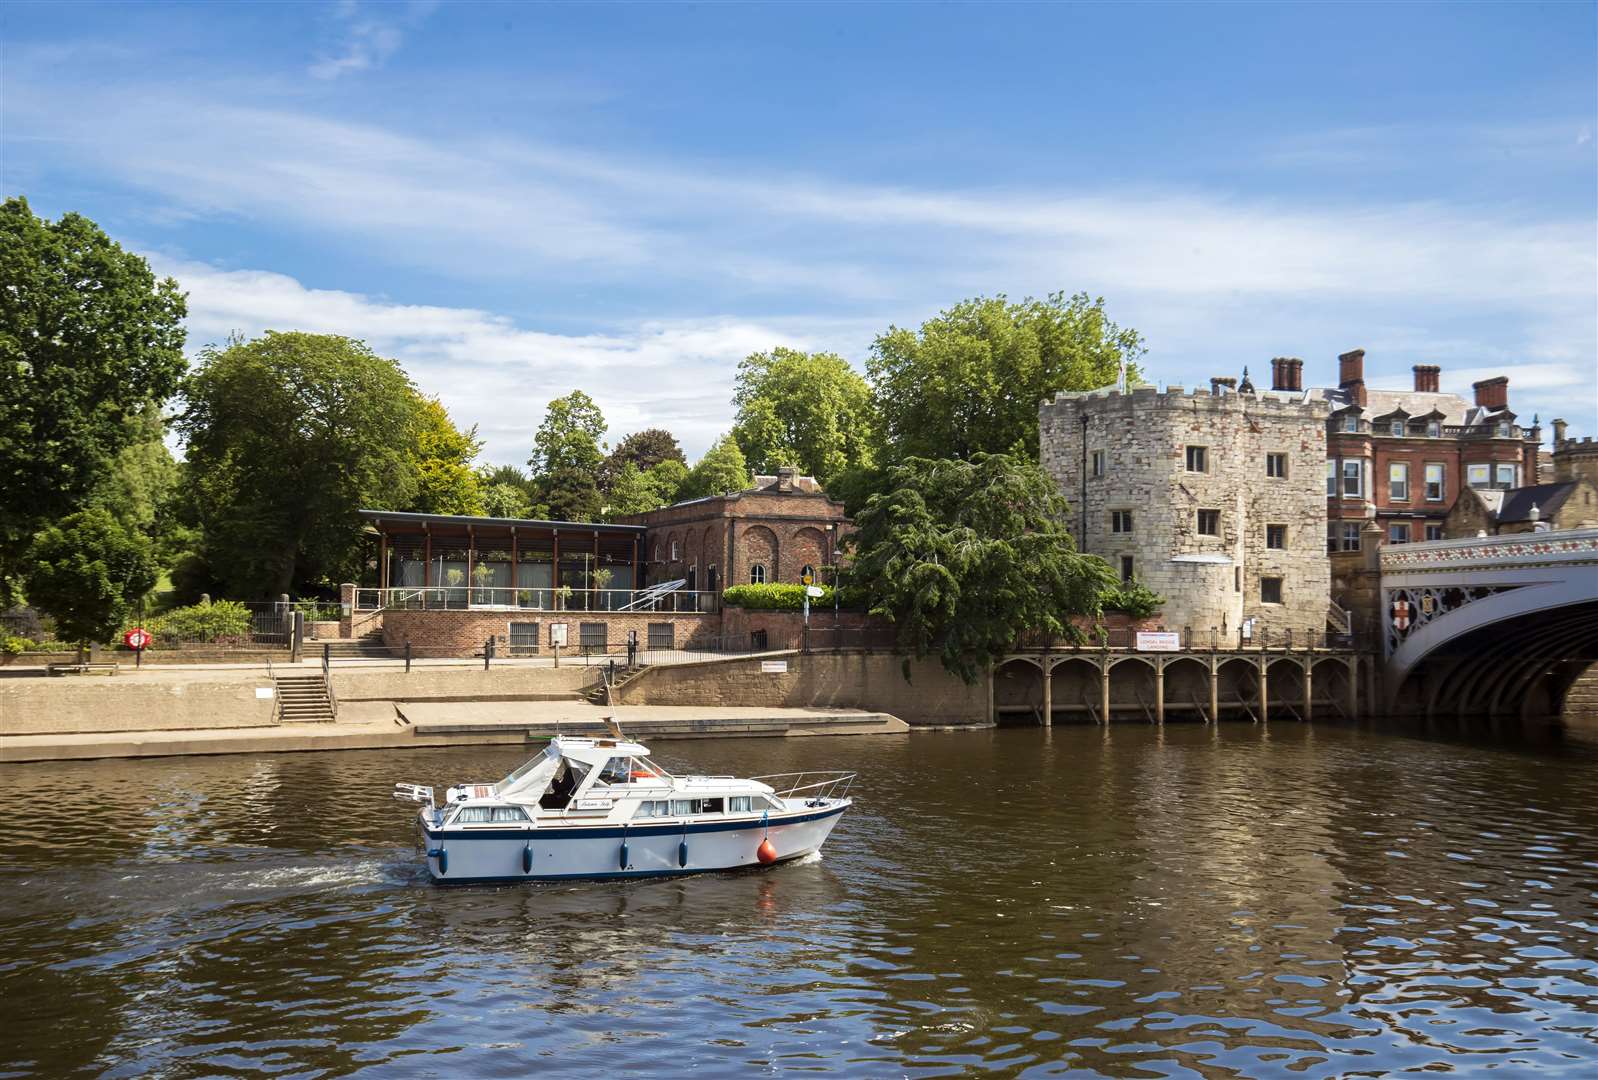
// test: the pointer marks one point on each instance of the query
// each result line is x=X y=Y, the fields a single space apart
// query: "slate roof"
x=1516 y=503
x=1452 y=408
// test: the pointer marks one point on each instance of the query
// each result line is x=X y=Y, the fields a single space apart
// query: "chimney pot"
x=1426 y=378
x=1279 y=376
x=1295 y=373
x=1559 y=432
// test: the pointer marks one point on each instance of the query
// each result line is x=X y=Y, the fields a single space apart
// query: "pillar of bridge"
x=1048 y=694
x=1309 y=697
x=1215 y=692
x=1265 y=679
x=1159 y=693
x=1104 y=694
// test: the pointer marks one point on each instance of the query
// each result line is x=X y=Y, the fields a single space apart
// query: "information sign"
x=1159 y=641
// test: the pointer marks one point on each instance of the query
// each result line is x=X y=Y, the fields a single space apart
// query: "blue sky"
x=519 y=200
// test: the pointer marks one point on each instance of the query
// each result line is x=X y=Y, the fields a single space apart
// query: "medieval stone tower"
x=1214 y=499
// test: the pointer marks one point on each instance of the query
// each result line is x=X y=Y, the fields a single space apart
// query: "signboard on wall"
x=774 y=667
x=557 y=633
x=1159 y=641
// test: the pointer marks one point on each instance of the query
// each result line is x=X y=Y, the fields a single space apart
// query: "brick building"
x=1400 y=458
x=1213 y=499
x=448 y=583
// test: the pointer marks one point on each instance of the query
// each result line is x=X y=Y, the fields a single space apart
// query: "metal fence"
x=260 y=625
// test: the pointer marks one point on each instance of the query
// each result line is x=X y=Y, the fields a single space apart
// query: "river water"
x=1282 y=901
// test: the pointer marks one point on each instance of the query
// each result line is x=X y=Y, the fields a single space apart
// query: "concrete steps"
x=302 y=699
x=366 y=647
x=609 y=695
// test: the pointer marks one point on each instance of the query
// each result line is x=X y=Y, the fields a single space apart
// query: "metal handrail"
x=664 y=597
x=327 y=684
x=826 y=787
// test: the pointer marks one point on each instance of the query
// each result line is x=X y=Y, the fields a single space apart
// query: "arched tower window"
x=757 y=574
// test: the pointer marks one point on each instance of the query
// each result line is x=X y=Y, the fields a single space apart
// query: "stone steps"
x=302 y=699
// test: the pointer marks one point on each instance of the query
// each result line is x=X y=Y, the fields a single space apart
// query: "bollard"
x=488 y=651
x=327 y=653
x=407 y=656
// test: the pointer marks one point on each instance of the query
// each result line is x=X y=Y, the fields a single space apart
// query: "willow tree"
x=966 y=556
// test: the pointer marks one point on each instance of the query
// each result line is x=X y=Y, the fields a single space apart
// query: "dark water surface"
x=1291 y=901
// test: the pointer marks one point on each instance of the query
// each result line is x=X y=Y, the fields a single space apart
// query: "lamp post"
x=833 y=545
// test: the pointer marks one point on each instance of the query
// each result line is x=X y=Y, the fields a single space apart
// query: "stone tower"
x=1217 y=501
x=1574 y=459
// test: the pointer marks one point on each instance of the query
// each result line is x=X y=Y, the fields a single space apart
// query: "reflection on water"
x=1241 y=900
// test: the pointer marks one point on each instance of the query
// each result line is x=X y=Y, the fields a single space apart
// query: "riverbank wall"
x=871 y=681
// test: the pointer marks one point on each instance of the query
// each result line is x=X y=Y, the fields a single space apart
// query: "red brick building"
x=1401 y=457
x=448 y=583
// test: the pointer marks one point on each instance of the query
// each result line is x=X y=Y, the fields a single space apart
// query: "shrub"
x=15 y=646
x=1133 y=598
x=776 y=596
x=224 y=621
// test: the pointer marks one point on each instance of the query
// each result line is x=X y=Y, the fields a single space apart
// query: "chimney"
x=1493 y=393
x=1559 y=432
x=1426 y=378
x=1351 y=376
x=787 y=477
x=1351 y=367
x=1295 y=373
x=1279 y=374
x=1222 y=384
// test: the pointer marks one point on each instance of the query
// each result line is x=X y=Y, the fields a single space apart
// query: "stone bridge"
x=1496 y=626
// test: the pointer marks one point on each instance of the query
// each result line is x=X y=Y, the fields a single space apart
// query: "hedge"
x=782 y=597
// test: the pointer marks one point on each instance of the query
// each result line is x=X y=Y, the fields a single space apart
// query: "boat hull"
x=556 y=853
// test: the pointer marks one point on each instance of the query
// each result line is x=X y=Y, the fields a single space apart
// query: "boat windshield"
x=526 y=768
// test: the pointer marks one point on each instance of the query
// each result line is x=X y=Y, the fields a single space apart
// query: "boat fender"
x=766 y=852
x=443 y=860
x=682 y=853
x=624 y=848
x=527 y=859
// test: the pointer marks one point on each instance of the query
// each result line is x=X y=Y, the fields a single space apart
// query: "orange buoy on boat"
x=766 y=852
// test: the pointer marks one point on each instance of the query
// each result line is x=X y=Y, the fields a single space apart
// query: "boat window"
x=509 y=814
x=565 y=784
x=474 y=815
x=523 y=769
x=739 y=804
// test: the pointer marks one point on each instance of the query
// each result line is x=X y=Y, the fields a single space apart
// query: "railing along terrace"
x=472 y=597
x=1191 y=639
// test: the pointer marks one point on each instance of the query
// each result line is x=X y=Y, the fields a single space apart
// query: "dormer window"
x=1434 y=429
x=1506 y=430
x=1350 y=422
x=1397 y=428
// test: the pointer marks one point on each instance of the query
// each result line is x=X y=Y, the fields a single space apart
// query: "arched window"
x=807 y=571
x=657 y=554
x=676 y=553
x=757 y=574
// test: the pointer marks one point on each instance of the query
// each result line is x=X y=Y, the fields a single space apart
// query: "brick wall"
x=463 y=633
x=783 y=628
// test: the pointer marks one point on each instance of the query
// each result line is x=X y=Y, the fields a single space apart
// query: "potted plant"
x=601 y=581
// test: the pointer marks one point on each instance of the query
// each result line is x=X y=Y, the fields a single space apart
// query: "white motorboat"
x=600 y=808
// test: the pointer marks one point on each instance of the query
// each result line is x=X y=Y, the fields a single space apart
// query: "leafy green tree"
x=812 y=410
x=569 y=437
x=88 y=571
x=571 y=494
x=965 y=556
x=288 y=436
x=138 y=484
x=508 y=501
x=88 y=337
x=668 y=478
x=970 y=380
x=722 y=469
x=643 y=450
x=442 y=459
x=631 y=492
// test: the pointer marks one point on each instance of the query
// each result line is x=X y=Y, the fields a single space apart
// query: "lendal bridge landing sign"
x=1496 y=626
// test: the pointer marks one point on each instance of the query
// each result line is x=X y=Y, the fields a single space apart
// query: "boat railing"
x=820 y=785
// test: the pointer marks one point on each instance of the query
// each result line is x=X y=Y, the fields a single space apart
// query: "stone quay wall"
x=873 y=681
x=1142 y=440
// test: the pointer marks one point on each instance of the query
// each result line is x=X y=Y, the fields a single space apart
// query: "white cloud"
x=365 y=40
x=490 y=372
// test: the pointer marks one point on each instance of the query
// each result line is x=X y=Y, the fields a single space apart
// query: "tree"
x=138 y=483
x=569 y=437
x=642 y=449
x=970 y=380
x=442 y=460
x=965 y=556
x=668 y=478
x=571 y=494
x=88 y=571
x=722 y=469
x=812 y=410
x=88 y=337
x=508 y=501
x=288 y=436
